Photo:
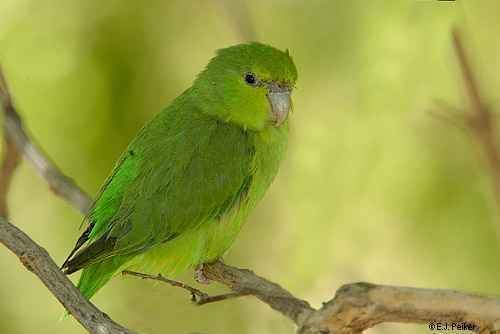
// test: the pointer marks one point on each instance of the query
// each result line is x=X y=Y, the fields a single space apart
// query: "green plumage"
x=179 y=194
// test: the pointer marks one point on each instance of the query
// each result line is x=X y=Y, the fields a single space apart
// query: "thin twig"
x=481 y=119
x=448 y=114
x=195 y=293
x=221 y=297
x=197 y=296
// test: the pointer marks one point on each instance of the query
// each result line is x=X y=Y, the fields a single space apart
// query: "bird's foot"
x=199 y=276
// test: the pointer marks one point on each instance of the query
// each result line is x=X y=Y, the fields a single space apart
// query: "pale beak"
x=280 y=101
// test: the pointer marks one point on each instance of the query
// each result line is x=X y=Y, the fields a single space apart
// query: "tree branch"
x=355 y=307
x=32 y=256
x=37 y=260
x=480 y=120
x=245 y=281
x=359 y=306
x=197 y=296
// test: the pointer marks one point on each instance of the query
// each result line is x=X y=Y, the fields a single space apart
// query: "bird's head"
x=249 y=85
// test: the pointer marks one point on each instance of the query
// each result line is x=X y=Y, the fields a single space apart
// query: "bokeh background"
x=375 y=187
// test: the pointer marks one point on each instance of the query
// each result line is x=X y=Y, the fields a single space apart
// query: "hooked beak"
x=280 y=101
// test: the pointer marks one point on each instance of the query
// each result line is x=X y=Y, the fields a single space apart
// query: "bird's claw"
x=199 y=276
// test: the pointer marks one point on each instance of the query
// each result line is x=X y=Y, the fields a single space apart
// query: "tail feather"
x=82 y=240
x=96 y=275
x=96 y=252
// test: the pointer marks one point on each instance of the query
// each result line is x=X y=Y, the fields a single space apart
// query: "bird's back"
x=178 y=195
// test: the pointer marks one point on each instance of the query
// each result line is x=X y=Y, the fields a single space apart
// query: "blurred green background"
x=375 y=188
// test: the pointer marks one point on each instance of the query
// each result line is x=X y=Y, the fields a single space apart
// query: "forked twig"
x=197 y=296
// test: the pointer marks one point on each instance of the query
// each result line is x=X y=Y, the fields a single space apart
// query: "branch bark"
x=354 y=308
x=359 y=306
x=32 y=256
x=245 y=281
x=37 y=260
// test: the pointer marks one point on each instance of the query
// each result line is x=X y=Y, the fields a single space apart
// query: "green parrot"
x=179 y=194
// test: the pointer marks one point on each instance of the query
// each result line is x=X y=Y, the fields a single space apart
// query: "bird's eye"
x=251 y=79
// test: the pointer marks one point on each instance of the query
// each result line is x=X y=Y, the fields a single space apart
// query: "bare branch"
x=480 y=119
x=197 y=296
x=37 y=260
x=59 y=183
x=245 y=281
x=359 y=306
x=33 y=257
x=219 y=298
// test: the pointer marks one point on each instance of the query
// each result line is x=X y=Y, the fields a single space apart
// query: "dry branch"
x=32 y=256
x=197 y=296
x=245 y=281
x=37 y=260
x=480 y=118
x=359 y=306
x=355 y=307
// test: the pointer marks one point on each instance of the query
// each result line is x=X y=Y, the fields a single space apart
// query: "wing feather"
x=184 y=171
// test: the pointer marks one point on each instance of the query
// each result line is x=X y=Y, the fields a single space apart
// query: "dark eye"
x=250 y=79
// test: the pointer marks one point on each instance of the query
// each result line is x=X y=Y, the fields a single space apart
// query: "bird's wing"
x=176 y=175
x=107 y=202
